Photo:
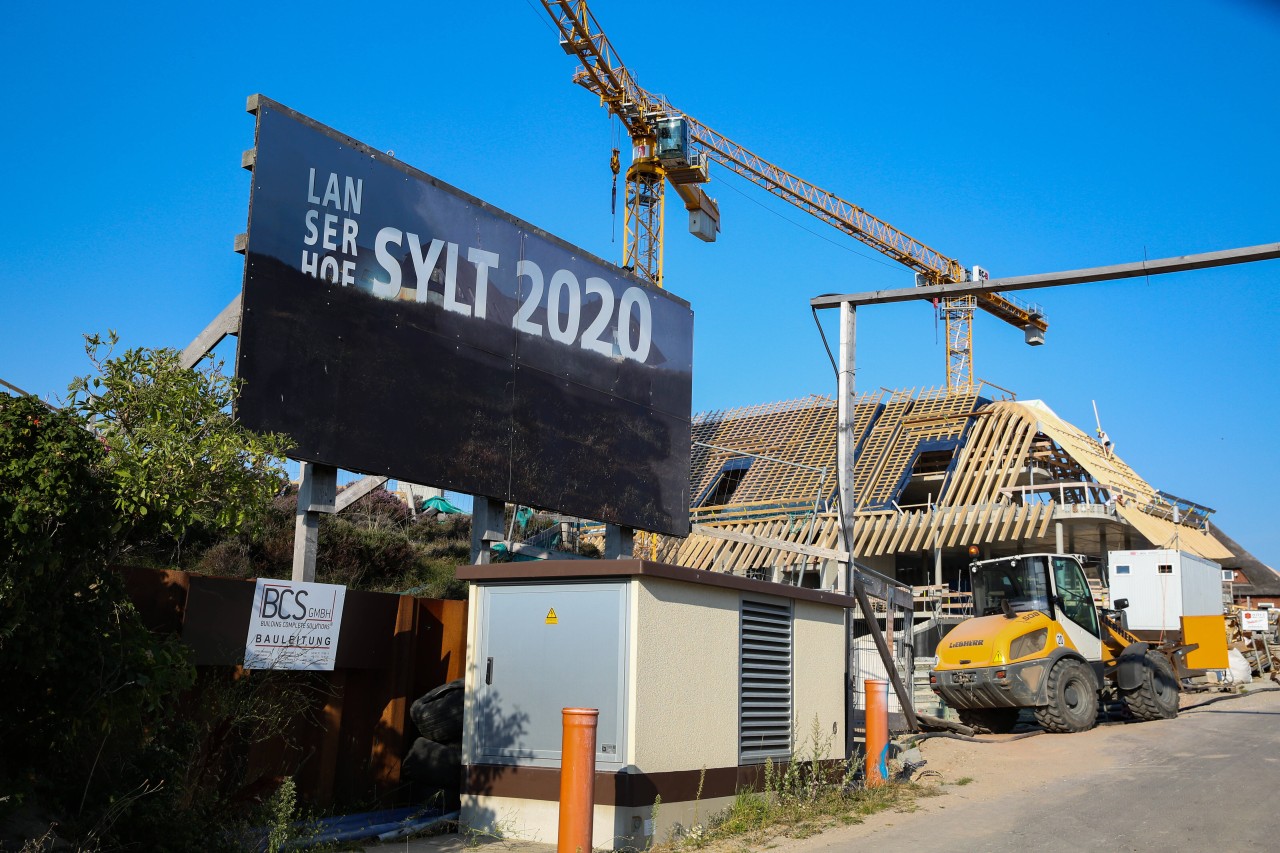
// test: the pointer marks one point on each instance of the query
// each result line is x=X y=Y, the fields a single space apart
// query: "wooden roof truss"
x=1014 y=464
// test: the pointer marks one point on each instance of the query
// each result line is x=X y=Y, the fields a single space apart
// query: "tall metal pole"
x=844 y=474
x=845 y=439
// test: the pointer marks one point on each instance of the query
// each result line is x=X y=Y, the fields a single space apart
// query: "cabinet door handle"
x=488 y=672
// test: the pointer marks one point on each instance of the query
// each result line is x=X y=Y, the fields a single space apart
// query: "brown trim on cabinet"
x=621 y=789
x=562 y=570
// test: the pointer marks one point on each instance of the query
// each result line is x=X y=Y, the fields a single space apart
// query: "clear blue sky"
x=1023 y=137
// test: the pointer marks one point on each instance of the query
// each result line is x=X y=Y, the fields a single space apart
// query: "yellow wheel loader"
x=1038 y=640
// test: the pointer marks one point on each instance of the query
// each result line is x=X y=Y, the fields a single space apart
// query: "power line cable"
x=825 y=344
x=778 y=214
x=535 y=11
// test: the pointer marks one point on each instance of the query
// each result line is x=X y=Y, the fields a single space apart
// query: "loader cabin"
x=1021 y=584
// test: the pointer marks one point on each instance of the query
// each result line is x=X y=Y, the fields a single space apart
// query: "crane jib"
x=604 y=74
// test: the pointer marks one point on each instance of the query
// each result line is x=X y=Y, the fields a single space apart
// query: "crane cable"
x=613 y=204
x=615 y=165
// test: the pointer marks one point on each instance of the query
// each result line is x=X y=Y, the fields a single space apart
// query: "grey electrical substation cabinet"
x=699 y=677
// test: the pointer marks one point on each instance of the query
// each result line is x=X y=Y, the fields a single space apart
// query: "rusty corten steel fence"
x=346 y=746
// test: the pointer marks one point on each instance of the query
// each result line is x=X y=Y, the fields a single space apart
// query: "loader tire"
x=1073 y=698
x=1156 y=698
x=989 y=721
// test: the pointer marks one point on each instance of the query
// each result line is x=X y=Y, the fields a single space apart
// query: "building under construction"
x=937 y=475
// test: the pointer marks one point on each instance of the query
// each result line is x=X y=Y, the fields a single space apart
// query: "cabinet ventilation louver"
x=764 y=681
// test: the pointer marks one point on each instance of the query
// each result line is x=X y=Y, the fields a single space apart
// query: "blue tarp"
x=366 y=826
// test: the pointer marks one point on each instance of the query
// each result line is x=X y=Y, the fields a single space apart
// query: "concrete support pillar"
x=418 y=494
x=486 y=526
x=937 y=566
x=619 y=542
x=1060 y=547
x=317 y=493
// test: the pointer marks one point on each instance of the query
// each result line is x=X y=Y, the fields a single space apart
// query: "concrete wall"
x=885 y=564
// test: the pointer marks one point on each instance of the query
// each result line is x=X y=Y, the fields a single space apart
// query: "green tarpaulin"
x=440 y=504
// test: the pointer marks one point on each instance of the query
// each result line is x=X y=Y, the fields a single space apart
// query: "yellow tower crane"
x=641 y=113
x=667 y=145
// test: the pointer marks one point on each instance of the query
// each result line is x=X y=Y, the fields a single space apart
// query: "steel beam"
x=1137 y=269
x=15 y=389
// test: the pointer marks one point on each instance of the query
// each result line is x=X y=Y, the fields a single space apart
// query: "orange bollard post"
x=877 y=768
x=577 y=780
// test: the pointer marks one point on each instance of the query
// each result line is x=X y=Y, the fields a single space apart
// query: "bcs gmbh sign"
x=294 y=625
x=395 y=325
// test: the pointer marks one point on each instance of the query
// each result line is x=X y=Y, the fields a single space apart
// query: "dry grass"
x=759 y=820
x=803 y=800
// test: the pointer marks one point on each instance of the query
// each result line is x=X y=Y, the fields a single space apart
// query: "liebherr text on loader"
x=1038 y=640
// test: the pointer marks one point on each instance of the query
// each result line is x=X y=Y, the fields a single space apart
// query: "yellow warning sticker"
x=551 y=617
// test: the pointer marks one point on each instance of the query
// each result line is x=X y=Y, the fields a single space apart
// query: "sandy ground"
x=977 y=779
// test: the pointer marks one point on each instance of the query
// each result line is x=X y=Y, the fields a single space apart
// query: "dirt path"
x=981 y=785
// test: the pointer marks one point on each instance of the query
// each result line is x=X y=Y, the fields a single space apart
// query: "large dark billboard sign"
x=395 y=325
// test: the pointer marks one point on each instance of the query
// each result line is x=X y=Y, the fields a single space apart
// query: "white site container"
x=1164 y=585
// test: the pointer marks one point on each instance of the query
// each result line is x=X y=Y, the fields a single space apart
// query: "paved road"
x=1204 y=781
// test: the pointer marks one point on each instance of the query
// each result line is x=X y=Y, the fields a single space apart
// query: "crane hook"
x=615 y=165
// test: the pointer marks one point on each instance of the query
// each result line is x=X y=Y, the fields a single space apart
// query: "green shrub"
x=85 y=682
x=183 y=471
x=379 y=547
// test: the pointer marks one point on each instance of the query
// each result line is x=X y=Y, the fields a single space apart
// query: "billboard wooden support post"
x=577 y=780
x=317 y=493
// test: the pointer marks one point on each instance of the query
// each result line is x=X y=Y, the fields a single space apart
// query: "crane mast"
x=603 y=73
x=658 y=156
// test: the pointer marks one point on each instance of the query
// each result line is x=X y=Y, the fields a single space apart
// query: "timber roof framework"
x=933 y=471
